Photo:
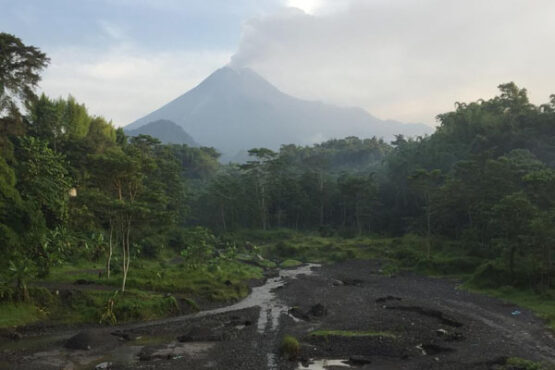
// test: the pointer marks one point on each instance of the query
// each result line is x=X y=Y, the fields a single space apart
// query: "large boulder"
x=91 y=339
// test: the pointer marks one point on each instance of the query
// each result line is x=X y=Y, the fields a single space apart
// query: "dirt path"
x=410 y=322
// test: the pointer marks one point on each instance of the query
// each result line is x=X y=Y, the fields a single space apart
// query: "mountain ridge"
x=237 y=109
x=168 y=132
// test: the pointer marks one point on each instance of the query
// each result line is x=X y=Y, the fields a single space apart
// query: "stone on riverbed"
x=359 y=360
x=90 y=339
x=318 y=310
x=205 y=333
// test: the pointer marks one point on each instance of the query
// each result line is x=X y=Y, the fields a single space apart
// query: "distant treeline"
x=485 y=178
x=73 y=186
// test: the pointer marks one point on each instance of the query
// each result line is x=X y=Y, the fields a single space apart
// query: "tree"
x=19 y=75
x=19 y=72
x=358 y=194
x=425 y=183
x=259 y=171
x=511 y=221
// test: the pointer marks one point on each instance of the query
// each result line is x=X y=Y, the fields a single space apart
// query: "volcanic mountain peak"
x=237 y=109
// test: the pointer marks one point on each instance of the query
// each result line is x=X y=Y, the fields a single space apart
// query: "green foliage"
x=107 y=315
x=17 y=314
x=290 y=263
x=522 y=364
x=289 y=347
x=20 y=65
x=199 y=246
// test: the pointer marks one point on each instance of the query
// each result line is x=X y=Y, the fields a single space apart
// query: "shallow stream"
x=49 y=350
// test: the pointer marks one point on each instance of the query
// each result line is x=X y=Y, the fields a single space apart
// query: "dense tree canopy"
x=72 y=185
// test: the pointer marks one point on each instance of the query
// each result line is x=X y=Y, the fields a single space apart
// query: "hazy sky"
x=406 y=59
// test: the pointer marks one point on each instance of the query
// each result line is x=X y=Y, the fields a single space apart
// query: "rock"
x=337 y=282
x=387 y=298
x=441 y=332
x=454 y=337
x=197 y=333
x=16 y=335
x=304 y=361
x=298 y=313
x=359 y=360
x=90 y=339
x=352 y=282
x=448 y=336
x=318 y=310
x=433 y=349
x=121 y=335
x=271 y=273
x=103 y=366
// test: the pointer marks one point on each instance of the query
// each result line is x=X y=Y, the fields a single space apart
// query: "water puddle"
x=324 y=364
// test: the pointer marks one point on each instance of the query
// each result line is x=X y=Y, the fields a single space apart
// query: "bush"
x=151 y=246
x=198 y=247
x=41 y=296
x=495 y=275
x=449 y=265
x=289 y=347
x=284 y=250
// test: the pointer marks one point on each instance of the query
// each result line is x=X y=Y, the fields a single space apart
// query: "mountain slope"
x=166 y=131
x=235 y=110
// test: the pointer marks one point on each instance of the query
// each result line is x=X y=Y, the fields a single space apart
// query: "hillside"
x=166 y=131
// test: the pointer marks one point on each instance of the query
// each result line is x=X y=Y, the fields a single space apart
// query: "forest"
x=474 y=199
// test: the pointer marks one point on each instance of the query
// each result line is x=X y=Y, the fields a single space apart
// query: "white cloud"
x=407 y=60
x=125 y=83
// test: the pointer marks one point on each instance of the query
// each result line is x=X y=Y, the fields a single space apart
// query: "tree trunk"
x=428 y=225
x=126 y=230
x=321 y=189
x=357 y=218
x=110 y=249
x=222 y=214
x=512 y=259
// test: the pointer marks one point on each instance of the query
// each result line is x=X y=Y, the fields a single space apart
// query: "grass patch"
x=16 y=314
x=542 y=304
x=349 y=333
x=220 y=281
x=146 y=296
x=522 y=364
x=290 y=263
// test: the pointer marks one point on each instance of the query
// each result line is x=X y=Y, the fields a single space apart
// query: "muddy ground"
x=410 y=321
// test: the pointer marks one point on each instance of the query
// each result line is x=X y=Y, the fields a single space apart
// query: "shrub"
x=289 y=347
x=283 y=249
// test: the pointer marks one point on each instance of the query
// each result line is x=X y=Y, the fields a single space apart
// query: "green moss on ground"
x=350 y=333
x=290 y=263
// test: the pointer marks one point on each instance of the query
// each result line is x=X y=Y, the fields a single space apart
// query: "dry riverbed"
x=346 y=315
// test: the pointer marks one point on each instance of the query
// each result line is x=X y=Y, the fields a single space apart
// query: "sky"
x=407 y=60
